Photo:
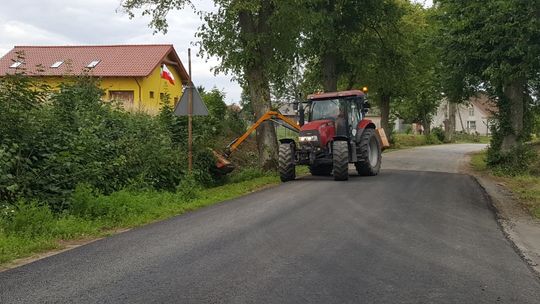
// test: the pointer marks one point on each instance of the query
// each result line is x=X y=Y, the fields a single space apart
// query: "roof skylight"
x=57 y=64
x=93 y=64
x=16 y=64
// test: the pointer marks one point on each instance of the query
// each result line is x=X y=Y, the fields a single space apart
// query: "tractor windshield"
x=324 y=109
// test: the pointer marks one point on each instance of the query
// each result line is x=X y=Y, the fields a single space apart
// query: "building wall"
x=442 y=114
x=465 y=121
x=477 y=122
x=140 y=86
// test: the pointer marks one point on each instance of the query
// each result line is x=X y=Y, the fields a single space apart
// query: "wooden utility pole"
x=190 y=116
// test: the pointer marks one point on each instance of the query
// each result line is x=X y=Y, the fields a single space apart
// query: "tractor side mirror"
x=365 y=107
x=301 y=117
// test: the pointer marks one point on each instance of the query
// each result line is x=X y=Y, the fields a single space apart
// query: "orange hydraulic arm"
x=273 y=116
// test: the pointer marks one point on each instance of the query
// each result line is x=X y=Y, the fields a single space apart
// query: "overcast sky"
x=75 y=22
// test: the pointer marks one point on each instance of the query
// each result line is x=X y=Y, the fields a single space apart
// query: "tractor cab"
x=343 y=109
x=333 y=133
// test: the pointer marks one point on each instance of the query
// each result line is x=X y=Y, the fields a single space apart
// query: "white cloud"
x=16 y=33
x=60 y=22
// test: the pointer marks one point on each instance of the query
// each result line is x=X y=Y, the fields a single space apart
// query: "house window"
x=93 y=64
x=126 y=97
x=15 y=65
x=152 y=94
x=471 y=111
x=56 y=64
x=471 y=125
x=164 y=97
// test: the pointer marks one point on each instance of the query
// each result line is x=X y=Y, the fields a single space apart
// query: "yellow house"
x=128 y=73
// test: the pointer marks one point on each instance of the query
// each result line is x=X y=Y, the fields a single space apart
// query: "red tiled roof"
x=484 y=103
x=115 y=60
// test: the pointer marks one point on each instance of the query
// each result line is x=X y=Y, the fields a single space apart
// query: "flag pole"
x=190 y=116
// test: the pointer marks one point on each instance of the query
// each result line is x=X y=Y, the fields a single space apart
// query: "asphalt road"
x=441 y=158
x=401 y=237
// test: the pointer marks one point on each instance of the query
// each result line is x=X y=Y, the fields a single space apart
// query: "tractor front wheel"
x=369 y=150
x=287 y=170
x=341 y=160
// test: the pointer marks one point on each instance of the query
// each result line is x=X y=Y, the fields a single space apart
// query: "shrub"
x=432 y=139
x=83 y=202
x=204 y=170
x=52 y=141
x=439 y=133
x=189 y=188
x=29 y=219
x=517 y=161
x=408 y=130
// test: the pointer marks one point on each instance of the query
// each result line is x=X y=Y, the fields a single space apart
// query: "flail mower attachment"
x=223 y=165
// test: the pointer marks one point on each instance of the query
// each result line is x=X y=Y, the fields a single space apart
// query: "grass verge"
x=526 y=187
x=403 y=141
x=30 y=228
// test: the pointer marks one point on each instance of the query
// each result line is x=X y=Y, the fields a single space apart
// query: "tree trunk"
x=266 y=133
x=426 y=124
x=461 y=121
x=258 y=82
x=451 y=121
x=515 y=97
x=329 y=72
x=385 y=113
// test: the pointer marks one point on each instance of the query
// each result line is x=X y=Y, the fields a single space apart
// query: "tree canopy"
x=410 y=56
x=494 y=46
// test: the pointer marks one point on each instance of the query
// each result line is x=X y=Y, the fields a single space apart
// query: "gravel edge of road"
x=515 y=223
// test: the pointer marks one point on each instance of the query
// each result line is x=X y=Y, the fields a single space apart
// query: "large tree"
x=254 y=39
x=495 y=45
x=346 y=43
x=337 y=35
x=386 y=57
x=421 y=94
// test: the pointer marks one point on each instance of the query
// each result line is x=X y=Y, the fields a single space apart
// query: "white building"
x=475 y=116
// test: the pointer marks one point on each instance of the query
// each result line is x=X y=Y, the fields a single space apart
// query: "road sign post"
x=190 y=118
x=190 y=104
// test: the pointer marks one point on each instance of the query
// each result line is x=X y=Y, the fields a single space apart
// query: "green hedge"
x=54 y=140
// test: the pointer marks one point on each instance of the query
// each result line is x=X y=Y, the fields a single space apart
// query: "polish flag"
x=166 y=74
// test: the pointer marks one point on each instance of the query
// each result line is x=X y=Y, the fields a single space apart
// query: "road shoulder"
x=520 y=228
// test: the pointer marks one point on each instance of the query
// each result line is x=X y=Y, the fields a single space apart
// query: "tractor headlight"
x=308 y=138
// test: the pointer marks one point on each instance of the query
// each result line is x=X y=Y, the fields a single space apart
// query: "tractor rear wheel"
x=369 y=150
x=320 y=170
x=341 y=160
x=287 y=170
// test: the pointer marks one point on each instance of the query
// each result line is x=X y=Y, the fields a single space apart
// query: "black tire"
x=369 y=151
x=320 y=170
x=341 y=160
x=287 y=169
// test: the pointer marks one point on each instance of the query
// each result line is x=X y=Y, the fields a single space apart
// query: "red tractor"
x=336 y=134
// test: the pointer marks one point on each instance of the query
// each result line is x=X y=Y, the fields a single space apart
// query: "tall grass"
x=30 y=228
x=525 y=184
